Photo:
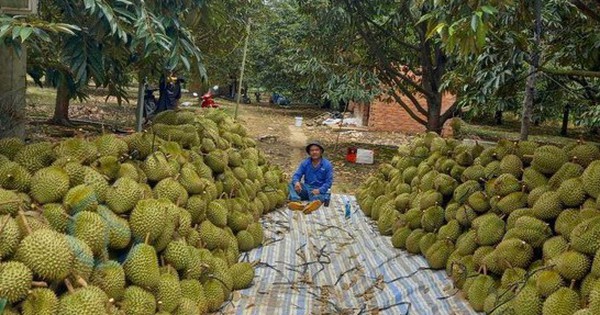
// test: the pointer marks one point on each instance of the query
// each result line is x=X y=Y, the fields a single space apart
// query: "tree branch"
x=408 y=110
x=586 y=10
x=571 y=72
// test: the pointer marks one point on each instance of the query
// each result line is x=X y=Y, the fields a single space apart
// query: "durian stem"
x=4 y=223
x=69 y=286
x=255 y=263
x=39 y=284
x=82 y=282
x=147 y=238
x=572 y=284
x=27 y=227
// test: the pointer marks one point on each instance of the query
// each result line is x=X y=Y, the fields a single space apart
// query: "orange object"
x=351 y=155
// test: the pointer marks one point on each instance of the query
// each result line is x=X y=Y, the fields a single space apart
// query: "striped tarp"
x=323 y=263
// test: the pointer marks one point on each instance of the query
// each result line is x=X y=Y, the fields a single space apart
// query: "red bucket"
x=351 y=155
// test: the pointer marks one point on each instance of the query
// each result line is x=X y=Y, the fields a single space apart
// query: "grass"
x=510 y=129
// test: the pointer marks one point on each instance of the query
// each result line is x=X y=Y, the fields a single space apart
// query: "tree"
x=396 y=46
x=469 y=29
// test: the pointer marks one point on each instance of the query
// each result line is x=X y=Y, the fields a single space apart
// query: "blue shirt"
x=317 y=177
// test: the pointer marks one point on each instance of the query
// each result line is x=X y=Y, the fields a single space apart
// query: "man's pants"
x=306 y=194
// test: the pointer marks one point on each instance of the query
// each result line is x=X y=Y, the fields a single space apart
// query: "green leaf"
x=489 y=9
x=437 y=29
x=25 y=33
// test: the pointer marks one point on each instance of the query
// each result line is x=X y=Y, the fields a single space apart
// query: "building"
x=385 y=114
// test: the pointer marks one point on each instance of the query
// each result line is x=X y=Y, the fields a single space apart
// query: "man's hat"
x=314 y=143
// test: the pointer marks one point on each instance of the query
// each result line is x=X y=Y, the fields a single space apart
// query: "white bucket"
x=298 y=122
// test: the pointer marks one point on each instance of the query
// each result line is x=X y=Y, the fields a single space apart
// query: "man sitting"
x=317 y=172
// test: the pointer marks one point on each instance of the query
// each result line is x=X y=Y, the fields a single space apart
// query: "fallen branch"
x=344 y=273
x=409 y=275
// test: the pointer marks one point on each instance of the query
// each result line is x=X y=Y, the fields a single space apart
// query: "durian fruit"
x=564 y=301
x=13 y=176
x=76 y=148
x=110 y=277
x=141 y=266
x=548 y=159
x=177 y=254
x=585 y=236
x=40 y=301
x=591 y=179
x=567 y=171
x=80 y=198
x=548 y=206
x=111 y=145
x=571 y=265
x=90 y=228
x=214 y=294
x=10 y=202
x=548 y=281
x=35 y=156
x=49 y=184
x=15 y=281
x=144 y=217
x=168 y=292
x=438 y=253
x=245 y=240
x=10 y=146
x=83 y=262
x=528 y=301
x=85 y=300
x=56 y=216
x=47 y=253
x=138 y=301
x=172 y=190
x=119 y=232
x=123 y=195
x=482 y=286
x=584 y=154
x=10 y=236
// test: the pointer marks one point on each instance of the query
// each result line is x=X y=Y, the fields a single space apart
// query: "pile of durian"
x=150 y=223
x=515 y=226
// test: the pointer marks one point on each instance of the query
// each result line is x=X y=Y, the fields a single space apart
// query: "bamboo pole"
x=241 y=83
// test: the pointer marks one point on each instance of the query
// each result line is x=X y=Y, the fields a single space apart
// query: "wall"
x=390 y=116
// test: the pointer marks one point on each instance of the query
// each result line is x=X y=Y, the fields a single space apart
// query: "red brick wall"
x=390 y=116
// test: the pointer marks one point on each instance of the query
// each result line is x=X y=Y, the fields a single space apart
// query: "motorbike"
x=150 y=102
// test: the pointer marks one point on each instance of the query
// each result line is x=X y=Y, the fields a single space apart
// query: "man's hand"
x=315 y=192
x=298 y=187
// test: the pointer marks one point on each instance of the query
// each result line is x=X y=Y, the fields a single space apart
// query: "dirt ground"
x=272 y=126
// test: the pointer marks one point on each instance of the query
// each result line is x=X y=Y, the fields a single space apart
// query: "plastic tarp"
x=323 y=263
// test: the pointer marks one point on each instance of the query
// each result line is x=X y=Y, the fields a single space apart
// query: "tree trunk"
x=12 y=92
x=498 y=117
x=533 y=68
x=565 y=120
x=139 y=112
x=434 y=119
x=61 y=109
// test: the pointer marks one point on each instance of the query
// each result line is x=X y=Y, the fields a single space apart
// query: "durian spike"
x=39 y=284
x=69 y=285
x=4 y=223
x=24 y=219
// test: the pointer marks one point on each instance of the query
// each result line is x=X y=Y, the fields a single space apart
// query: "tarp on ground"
x=323 y=263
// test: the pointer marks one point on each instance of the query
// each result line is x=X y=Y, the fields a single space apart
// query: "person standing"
x=311 y=181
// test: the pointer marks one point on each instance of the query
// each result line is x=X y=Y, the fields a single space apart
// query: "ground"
x=271 y=125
